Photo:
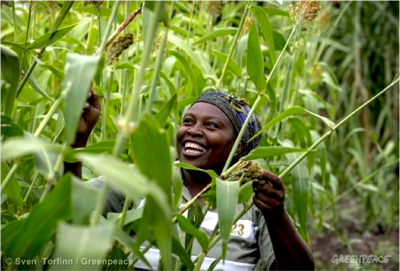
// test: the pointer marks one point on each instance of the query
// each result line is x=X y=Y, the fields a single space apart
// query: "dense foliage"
x=303 y=69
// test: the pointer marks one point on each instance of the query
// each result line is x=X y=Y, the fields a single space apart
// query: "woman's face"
x=205 y=137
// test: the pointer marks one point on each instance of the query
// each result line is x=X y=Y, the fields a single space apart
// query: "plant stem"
x=123 y=213
x=241 y=133
x=99 y=205
x=200 y=261
x=157 y=69
x=246 y=10
x=123 y=26
x=28 y=73
x=192 y=201
x=135 y=95
x=9 y=177
x=31 y=186
x=114 y=12
x=104 y=113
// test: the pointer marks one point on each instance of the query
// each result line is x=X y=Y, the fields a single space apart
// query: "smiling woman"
x=264 y=237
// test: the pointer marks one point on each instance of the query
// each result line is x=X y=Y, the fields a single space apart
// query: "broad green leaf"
x=275 y=11
x=265 y=152
x=81 y=243
x=10 y=71
x=84 y=198
x=42 y=220
x=232 y=65
x=300 y=192
x=51 y=37
x=187 y=227
x=190 y=167
x=126 y=240
x=196 y=60
x=302 y=129
x=227 y=198
x=180 y=251
x=64 y=11
x=9 y=128
x=291 y=112
x=262 y=19
x=131 y=215
x=255 y=62
x=188 y=71
x=104 y=11
x=150 y=151
x=165 y=111
x=9 y=232
x=215 y=34
x=105 y=146
x=79 y=73
x=13 y=190
x=136 y=186
x=245 y=192
x=17 y=147
x=36 y=87
x=279 y=42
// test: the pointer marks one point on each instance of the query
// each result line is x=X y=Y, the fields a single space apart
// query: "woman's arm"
x=290 y=250
x=90 y=116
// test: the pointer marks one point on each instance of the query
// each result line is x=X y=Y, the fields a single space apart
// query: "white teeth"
x=194 y=146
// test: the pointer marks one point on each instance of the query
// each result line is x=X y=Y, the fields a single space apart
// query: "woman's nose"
x=195 y=130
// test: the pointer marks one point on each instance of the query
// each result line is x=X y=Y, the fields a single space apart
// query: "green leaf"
x=51 y=37
x=136 y=186
x=180 y=251
x=9 y=128
x=227 y=198
x=291 y=112
x=300 y=192
x=163 y=114
x=245 y=192
x=275 y=11
x=263 y=21
x=13 y=190
x=84 y=198
x=196 y=60
x=265 y=152
x=255 y=63
x=190 y=167
x=187 y=227
x=215 y=34
x=188 y=70
x=17 y=147
x=79 y=73
x=279 y=42
x=10 y=71
x=61 y=16
x=150 y=151
x=42 y=220
x=232 y=65
x=79 y=244
x=131 y=215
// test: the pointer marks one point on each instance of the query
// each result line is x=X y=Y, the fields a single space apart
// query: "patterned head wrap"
x=236 y=110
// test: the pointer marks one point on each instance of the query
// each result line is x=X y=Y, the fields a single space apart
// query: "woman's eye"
x=188 y=121
x=212 y=124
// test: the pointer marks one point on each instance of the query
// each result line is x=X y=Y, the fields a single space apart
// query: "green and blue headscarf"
x=237 y=111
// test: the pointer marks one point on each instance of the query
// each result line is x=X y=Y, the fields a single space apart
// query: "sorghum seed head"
x=119 y=45
x=214 y=8
x=305 y=11
x=249 y=170
x=247 y=24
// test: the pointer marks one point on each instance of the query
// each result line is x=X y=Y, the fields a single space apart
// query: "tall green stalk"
x=235 y=40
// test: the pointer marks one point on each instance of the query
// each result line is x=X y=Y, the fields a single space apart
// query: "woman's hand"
x=269 y=197
x=87 y=121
